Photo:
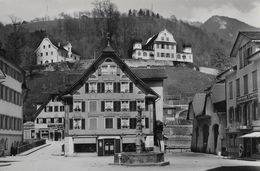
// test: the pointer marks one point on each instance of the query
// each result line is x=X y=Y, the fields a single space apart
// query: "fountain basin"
x=140 y=159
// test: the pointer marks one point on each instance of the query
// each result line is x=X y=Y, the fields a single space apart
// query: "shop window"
x=108 y=123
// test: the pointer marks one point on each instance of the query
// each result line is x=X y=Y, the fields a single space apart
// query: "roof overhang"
x=255 y=56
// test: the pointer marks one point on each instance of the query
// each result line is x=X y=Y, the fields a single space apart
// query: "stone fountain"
x=140 y=157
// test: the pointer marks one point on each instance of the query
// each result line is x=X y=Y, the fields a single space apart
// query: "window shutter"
x=45 y=109
x=118 y=70
x=82 y=123
x=118 y=123
x=131 y=87
x=83 y=105
x=86 y=88
x=102 y=106
x=71 y=108
x=98 y=88
x=71 y=123
x=118 y=88
x=146 y=122
x=132 y=123
x=102 y=87
x=114 y=88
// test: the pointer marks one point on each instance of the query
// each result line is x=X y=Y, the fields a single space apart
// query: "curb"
x=5 y=164
x=21 y=154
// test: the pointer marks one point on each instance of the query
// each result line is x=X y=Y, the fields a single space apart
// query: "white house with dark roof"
x=51 y=52
x=162 y=46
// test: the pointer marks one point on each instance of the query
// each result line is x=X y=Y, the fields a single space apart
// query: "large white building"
x=50 y=52
x=11 y=115
x=162 y=46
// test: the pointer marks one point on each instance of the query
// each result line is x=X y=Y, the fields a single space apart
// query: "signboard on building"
x=247 y=97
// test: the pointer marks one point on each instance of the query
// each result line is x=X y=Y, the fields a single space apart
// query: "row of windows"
x=167 y=55
x=49 y=120
x=48 y=46
x=110 y=106
x=244 y=113
x=8 y=70
x=109 y=87
x=46 y=53
x=10 y=95
x=54 y=109
x=145 y=54
x=164 y=46
x=245 y=79
x=122 y=123
x=10 y=123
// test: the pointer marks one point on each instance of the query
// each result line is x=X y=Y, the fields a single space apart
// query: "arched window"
x=145 y=54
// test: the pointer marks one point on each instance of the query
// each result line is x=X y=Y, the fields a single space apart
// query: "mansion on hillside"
x=51 y=52
x=162 y=46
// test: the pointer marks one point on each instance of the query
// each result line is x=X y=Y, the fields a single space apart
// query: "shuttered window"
x=131 y=87
x=108 y=123
x=92 y=123
x=146 y=122
x=86 y=88
x=92 y=106
x=102 y=106
x=118 y=123
x=83 y=106
x=117 y=106
x=132 y=105
x=82 y=123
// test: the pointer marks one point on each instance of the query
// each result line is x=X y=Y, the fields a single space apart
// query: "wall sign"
x=246 y=98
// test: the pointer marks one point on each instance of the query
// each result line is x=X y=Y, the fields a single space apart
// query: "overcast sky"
x=193 y=10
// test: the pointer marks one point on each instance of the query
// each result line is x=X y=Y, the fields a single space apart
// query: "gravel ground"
x=47 y=159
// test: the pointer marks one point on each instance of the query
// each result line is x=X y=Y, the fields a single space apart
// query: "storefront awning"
x=251 y=135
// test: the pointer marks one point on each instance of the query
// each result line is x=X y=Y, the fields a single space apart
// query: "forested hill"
x=88 y=37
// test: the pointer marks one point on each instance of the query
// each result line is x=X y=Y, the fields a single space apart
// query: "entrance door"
x=109 y=146
x=205 y=138
x=100 y=148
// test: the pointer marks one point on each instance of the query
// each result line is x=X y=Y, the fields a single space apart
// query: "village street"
x=47 y=159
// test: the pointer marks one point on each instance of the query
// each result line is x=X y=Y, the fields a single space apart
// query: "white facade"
x=11 y=116
x=162 y=47
x=47 y=53
x=49 y=124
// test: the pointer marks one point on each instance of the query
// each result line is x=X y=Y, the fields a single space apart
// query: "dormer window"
x=43 y=46
x=49 y=46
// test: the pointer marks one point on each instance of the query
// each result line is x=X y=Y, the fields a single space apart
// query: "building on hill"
x=11 y=102
x=101 y=108
x=242 y=96
x=162 y=46
x=51 y=52
x=49 y=120
x=208 y=112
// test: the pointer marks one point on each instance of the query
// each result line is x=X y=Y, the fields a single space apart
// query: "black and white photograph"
x=134 y=85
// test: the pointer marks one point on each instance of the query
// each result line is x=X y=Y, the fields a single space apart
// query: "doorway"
x=205 y=138
x=215 y=133
x=109 y=146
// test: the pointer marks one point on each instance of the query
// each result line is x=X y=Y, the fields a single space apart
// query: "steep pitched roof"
x=109 y=52
x=250 y=35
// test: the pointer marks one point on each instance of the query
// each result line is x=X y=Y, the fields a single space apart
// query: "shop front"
x=251 y=146
x=108 y=145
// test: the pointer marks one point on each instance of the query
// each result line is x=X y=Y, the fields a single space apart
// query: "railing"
x=29 y=146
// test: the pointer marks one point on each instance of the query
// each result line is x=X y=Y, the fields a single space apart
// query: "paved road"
x=44 y=160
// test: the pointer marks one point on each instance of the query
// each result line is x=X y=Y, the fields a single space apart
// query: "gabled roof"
x=150 y=41
x=109 y=52
x=249 y=35
x=150 y=73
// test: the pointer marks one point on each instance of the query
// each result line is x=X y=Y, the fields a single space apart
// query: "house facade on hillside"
x=11 y=115
x=162 y=46
x=50 y=52
x=242 y=96
x=101 y=108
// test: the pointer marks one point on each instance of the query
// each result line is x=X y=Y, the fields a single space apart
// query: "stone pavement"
x=44 y=160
